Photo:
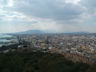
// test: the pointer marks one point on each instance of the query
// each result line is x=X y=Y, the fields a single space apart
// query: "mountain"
x=32 y=32
x=43 y=32
x=79 y=33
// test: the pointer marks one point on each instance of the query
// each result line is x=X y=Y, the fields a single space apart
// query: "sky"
x=48 y=15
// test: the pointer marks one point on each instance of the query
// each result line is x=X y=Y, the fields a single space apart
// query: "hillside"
x=32 y=32
x=39 y=62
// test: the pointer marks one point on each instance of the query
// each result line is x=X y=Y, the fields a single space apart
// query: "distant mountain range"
x=45 y=32
x=78 y=33
x=32 y=32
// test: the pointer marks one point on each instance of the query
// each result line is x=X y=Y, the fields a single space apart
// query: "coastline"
x=7 y=39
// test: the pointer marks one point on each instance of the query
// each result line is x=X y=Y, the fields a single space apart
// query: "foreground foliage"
x=39 y=62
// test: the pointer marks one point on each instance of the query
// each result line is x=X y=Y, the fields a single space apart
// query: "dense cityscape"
x=75 y=47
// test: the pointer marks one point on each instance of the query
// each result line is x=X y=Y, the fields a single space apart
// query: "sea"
x=7 y=39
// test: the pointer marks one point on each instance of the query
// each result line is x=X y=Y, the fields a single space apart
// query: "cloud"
x=58 y=10
x=90 y=5
x=53 y=15
x=72 y=1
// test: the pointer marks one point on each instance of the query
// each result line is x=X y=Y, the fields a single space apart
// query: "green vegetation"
x=39 y=62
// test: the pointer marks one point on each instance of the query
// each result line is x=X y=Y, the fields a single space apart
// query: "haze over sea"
x=5 y=39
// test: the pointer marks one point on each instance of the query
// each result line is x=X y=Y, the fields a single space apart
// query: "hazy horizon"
x=48 y=15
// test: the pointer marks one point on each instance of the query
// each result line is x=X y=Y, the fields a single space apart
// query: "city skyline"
x=47 y=15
